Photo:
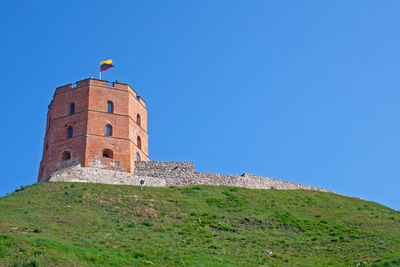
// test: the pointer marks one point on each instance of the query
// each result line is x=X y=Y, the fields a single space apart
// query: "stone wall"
x=107 y=164
x=160 y=173
x=164 y=168
x=93 y=175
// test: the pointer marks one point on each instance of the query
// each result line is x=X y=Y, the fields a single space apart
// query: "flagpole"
x=100 y=75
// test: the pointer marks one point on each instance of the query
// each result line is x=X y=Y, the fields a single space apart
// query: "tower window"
x=139 y=142
x=137 y=156
x=66 y=155
x=108 y=154
x=70 y=132
x=138 y=119
x=72 y=108
x=108 y=130
x=110 y=107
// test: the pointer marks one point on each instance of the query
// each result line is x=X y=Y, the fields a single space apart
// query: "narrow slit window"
x=138 y=119
x=72 y=109
x=110 y=107
x=137 y=156
x=139 y=142
x=70 y=132
x=108 y=130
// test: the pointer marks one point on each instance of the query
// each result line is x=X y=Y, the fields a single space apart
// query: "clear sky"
x=305 y=91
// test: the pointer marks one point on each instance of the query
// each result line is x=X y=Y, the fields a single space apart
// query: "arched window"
x=72 y=108
x=137 y=156
x=108 y=130
x=108 y=153
x=110 y=107
x=66 y=155
x=138 y=119
x=139 y=142
x=70 y=132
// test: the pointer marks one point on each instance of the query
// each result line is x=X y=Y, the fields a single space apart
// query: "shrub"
x=3 y=252
x=137 y=254
x=21 y=188
x=37 y=230
x=148 y=223
x=215 y=246
x=35 y=263
x=91 y=257
x=130 y=225
x=32 y=263
x=389 y=263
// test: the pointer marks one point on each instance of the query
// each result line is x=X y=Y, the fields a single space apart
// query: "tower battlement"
x=95 y=123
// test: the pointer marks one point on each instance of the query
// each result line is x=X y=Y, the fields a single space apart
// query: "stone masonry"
x=161 y=174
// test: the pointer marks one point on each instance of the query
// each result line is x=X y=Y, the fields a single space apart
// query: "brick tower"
x=95 y=125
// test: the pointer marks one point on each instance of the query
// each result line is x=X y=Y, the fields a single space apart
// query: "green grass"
x=66 y=224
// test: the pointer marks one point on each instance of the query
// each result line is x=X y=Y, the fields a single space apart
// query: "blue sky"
x=305 y=91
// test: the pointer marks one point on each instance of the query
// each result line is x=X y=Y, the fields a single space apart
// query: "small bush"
x=37 y=230
x=38 y=252
x=130 y=225
x=21 y=188
x=137 y=254
x=148 y=223
x=193 y=189
x=231 y=201
x=35 y=263
x=91 y=257
x=3 y=252
x=215 y=246
x=227 y=227
x=389 y=263
x=31 y=263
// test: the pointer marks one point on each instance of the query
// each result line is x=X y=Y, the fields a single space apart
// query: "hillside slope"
x=67 y=224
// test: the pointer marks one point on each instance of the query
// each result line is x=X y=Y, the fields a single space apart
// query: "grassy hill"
x=67 y=224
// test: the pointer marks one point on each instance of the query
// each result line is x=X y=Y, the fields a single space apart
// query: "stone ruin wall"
x=162 y=173
x=102 y=176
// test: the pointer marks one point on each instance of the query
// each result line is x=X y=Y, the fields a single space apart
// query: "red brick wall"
x=89 y=121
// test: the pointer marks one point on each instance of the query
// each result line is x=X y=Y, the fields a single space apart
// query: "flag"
x=105 y=65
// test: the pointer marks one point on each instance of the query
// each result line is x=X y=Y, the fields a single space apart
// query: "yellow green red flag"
x=105 y=65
